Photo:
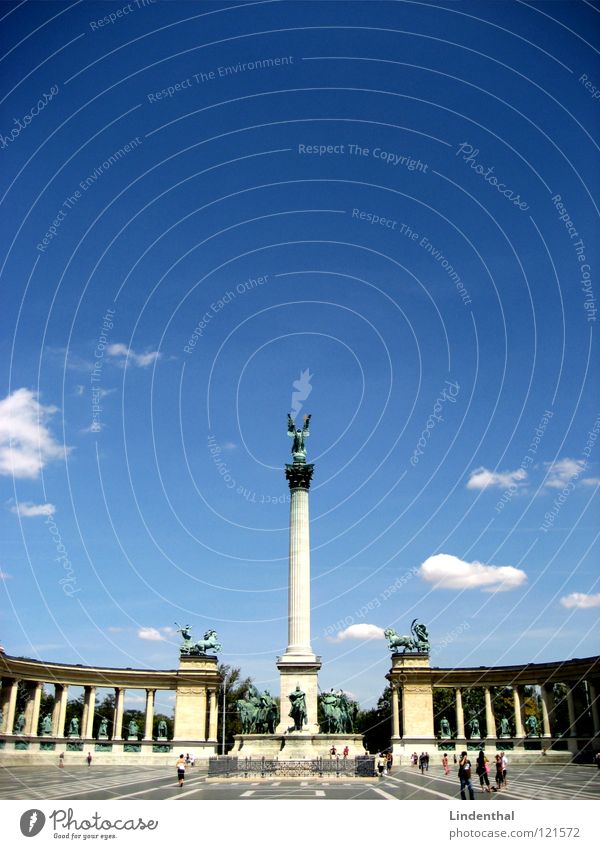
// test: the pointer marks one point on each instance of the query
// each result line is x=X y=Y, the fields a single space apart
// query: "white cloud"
x=450 y=573
x=26 y=509
x=150 y=634
x=591 y=481
x=560 y=473
x=483 y=478
x=4 y=576
x=360 y=631
x=129 y=356
x=26 y=443
x=582 y=601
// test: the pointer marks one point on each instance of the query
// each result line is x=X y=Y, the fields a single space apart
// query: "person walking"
x=427 y=761
x=61 y=760
x=180 y=769
x=381 y=764
x=481 y=770
x=346 y=752
x=464 y=774
x=390 y=761
x=445 y=764
x=504 y=770
x=422 y=762
x=89 y=759
x=499 y=776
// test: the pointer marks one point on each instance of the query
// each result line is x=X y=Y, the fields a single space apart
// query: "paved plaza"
x=103 y=782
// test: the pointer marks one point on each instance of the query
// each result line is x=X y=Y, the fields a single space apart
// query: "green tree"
x=503 y=706
x=234 y=686
x=376 y=724
x=444 y=704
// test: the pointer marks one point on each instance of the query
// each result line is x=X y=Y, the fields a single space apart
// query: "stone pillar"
x=32 y=710
x=9 y=704
x=56 y=709
x=89 y=706
x=298 y=666
x=149 y=716
x=571 y=708
x=460 y=714
x=594 y=707
x=490 y=720
x=395 y=713
x=299 y=575
x=62 y=711
x=518 y=714
x=118 y=714
x=214 y=716
x=547 y=708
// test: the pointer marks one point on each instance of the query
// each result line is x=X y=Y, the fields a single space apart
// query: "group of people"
x=482 y=769
x=422 y=760
x=384 y=763
x=333 y=752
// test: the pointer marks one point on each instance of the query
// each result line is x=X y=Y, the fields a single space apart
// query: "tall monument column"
x=299 y=666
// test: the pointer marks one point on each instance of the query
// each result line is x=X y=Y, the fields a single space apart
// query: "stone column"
x=594 y=707
x=571 y=708
x=547 y=708
x=62 y=713
x=56 y=709
x=202 y=715
x=9 y=704
x=214 y=716
x=32 y=710
x=518 y=714
x=490 y=720
x=460 y=714
x=118 y=714
x=395 y=713
x=149 y=716
x=299 y=575
x=298 y=666
x=89 y=705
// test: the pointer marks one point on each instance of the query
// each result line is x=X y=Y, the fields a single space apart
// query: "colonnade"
x=207 y=729
x=195 y=685
x=413 y=683
x=492 y=727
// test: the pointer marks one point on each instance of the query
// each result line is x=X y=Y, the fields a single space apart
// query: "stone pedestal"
x=296 y=746
x=411 y=676
x=196 y=675
x=303 y=673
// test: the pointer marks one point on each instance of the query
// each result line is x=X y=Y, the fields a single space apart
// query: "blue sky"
x=390 y=205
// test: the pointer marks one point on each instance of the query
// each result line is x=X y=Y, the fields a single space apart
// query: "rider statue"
x=200 y=647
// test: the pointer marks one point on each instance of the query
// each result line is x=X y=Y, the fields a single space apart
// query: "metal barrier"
x=226 y=767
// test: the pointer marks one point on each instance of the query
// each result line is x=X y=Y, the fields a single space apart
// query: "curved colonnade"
x=414 y=726
x=195 y=685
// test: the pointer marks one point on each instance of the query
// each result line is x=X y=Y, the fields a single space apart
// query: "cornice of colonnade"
x=28 y=669
x=554 y=672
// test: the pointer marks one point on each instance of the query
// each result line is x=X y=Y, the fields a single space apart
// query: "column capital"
x=299 y=475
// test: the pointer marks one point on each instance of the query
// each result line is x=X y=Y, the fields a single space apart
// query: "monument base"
x=298 y=671
x=296 y=745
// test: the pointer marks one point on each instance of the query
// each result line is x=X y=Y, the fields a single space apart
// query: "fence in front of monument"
x=226 y=767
